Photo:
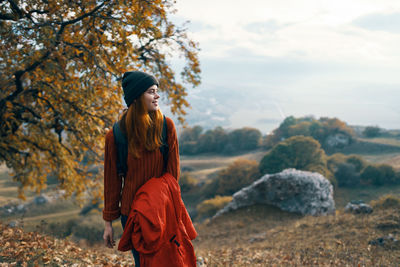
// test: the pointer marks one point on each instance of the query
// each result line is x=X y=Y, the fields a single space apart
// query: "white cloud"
x=310 y=28
x=297 y=57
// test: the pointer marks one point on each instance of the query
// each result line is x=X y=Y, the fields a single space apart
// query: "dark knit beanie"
x=135 y=83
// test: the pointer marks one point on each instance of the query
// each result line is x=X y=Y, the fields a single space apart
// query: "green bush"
x=209 y=207
x=358 y=162
x=372 y=131
x=347 y=175
x=379 y=175
x=334 y=160
x=346 y=168
x=299 y=152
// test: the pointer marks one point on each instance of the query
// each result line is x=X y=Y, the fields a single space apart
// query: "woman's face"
x=151 y=97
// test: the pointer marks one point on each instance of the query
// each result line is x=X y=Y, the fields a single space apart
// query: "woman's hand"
x=108 y=235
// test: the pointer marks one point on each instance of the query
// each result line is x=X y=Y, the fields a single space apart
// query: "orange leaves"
x=19 y=248
x=70 y=90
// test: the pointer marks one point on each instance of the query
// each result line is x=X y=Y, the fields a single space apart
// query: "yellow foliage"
x=210 y=206
x=61 y=83
x=386 y=202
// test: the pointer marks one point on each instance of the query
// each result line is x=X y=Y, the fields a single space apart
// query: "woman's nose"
x=157 y=96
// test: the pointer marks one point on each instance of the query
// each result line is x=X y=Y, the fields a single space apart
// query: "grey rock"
x=384 y=240
x=360 y=208
x=337 y=140
x=40 y=200
x=290 y=190
x=12 y=224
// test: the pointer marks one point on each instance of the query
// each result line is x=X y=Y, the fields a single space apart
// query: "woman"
x=142 y=124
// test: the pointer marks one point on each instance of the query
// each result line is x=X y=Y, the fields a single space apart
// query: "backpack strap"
x=121 y=144
x=164 y=146
x=122 y=149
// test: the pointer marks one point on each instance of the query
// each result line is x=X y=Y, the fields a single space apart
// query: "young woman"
x=142 y=124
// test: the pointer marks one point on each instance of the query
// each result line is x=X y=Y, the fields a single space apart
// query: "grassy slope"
x=226 y=237
x=263 y=236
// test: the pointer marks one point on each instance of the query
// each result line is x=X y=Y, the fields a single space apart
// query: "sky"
x=265 y=60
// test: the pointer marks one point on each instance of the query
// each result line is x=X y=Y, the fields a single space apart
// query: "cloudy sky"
x=264 y=60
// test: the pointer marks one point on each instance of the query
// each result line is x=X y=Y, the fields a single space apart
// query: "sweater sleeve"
x=173 y=153
x=112 y=182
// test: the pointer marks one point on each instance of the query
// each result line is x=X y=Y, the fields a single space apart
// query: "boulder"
x=338 y=140
x=13 y=224
x=358 y=208
x=40 y=200
x=388 y=240
x=291 y=190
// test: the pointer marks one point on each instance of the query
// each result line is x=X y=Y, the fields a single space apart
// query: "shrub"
x=372 y=131
x=299 y=152
x=334 y=160
x=346 y=169
x=187 y=182
x=386 y=202
x=237 y=175
x=379 y=175
x=358 y=162
x=347 y=175
x=209 y=207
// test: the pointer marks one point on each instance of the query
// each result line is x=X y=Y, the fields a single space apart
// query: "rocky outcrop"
x=337 y=140
x=290 y=190
x=358 y=208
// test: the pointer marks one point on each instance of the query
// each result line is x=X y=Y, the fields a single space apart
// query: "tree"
x=60 y=68
x=299 y=152
x=190 y=134
x=245 y=138
x=372 y=131
x=320 y=130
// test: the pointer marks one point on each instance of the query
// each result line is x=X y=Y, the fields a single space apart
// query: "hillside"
x=241 y=238
x=264 y=236
x=255 y=236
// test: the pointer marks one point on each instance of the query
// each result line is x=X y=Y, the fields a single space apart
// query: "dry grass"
x=208 y=161
x=263 y=236
x=206 y=164
x=382 y=140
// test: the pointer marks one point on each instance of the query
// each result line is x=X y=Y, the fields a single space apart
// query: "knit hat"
x=135 y=83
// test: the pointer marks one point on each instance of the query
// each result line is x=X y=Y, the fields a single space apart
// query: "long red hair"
x=142 y=128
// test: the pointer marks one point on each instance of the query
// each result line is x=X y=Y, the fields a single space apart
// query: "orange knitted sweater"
x=117 y=197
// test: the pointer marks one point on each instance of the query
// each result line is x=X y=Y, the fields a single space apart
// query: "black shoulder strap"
x=164 y=146
x=121 y=144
